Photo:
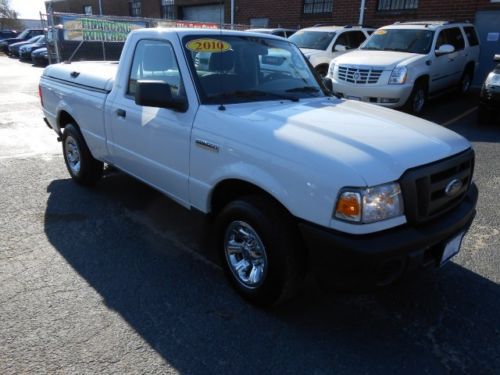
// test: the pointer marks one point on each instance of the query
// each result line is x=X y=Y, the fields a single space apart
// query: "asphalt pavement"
x=119 y=279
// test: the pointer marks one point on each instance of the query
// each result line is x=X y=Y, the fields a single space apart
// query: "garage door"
x=488 y=28
x=203 y=13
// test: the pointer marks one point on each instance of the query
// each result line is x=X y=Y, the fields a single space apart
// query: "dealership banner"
x=98 y=30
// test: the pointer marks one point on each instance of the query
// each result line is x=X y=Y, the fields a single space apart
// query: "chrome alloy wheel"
x=419 y=100
x=72 y=155
x=245 y=254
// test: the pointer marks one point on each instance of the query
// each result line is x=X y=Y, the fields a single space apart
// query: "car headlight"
x=331 y=70
x=398 y=75
x=369 y=205
x=493 y=79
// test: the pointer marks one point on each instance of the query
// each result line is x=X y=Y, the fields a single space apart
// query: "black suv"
x=25 y=35
x=489 y=103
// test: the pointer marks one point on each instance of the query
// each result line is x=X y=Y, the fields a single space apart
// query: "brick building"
x=193 y=10
x=302 y=13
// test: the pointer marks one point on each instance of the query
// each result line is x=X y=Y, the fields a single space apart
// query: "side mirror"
x=158 y=94
x=445 y=49
x=496 y=58
x=328 y=83
x=340 y=48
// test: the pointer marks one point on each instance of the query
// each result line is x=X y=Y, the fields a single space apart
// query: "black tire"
x=89 y=170
x=465 y=82
x=285 y=255
x=485 y=115
x=413 y=104
x=322 y=70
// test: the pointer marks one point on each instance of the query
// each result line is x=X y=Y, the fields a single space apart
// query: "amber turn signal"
x=349 y=206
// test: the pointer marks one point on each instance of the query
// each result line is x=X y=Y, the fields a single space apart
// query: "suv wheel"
x=260 y=250
x=465 y=82
x=417 y=99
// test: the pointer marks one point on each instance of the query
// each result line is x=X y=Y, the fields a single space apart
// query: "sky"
x=28 y=8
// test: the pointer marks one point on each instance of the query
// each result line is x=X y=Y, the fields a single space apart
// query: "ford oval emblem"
x=453 y=187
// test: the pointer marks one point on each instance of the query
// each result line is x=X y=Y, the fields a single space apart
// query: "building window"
x=87 y=10
x=388 y=5
x=318 y=6
x=134 y=8
x=168 y=9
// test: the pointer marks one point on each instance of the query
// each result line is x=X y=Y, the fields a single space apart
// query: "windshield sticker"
x=380 y=32
x=208 y=45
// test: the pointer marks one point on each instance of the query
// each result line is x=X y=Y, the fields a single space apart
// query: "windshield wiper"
x=303 y=89
x=257 y=93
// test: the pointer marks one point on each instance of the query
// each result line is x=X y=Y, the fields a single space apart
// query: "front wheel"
x=82 y=166
x=465 y=82
x=260 y=250
x=416 y=102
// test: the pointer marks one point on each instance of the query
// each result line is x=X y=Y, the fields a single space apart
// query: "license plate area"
x=452 y=248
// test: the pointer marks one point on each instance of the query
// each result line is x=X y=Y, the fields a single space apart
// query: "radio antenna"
x=221 y=80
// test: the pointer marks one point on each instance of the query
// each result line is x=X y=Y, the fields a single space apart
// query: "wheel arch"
x=232 y=188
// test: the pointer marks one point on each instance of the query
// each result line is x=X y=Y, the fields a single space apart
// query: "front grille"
x=358 y=75
x=424 y=188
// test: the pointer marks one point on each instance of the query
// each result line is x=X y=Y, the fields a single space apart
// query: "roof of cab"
x=425 y=25
x=182 y=32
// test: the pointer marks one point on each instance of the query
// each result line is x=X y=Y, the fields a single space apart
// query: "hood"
x=386 y=59
x=375 y=143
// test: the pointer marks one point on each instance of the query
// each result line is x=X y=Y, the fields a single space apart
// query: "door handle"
x=121 y=113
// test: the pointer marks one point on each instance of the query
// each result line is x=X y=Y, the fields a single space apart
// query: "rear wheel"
x=81 y=165
x=260 y=250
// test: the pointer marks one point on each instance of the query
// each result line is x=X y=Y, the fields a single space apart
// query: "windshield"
x=401 y=40
x=35 y=39
x=236 y=69
x=312 y=39
x=23 y=34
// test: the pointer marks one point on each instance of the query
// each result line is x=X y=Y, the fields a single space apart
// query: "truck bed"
x=97 y=75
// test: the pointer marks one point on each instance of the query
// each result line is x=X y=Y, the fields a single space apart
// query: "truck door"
x=152 y=143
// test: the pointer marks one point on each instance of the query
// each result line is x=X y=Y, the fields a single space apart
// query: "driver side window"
x=155 y=60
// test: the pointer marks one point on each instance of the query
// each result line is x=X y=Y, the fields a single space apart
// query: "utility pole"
x=362 y=12
x=232 y=14
x=100 y=7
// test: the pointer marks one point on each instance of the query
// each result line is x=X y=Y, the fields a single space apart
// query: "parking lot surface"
x=118 y=279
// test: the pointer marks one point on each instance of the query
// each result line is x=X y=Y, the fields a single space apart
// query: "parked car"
x=40 y=56
x=7 y=34
x=14 y=48
x=25 y=50
x=321 y=44
x=489 y=104
x=404 y=64
x=284 y=33
x=295 y=178
x=25 y=35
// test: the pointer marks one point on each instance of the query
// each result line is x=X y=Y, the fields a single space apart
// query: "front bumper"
x=378 y=259
x=490 y=98
x=395 y=96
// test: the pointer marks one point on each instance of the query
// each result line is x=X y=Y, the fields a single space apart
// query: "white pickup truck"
x=295 y=178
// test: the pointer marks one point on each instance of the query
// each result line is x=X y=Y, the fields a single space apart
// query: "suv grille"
x=358 y=75
x=424 y=188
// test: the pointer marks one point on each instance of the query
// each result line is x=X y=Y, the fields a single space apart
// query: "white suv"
x=321 y=44
x=401 y=65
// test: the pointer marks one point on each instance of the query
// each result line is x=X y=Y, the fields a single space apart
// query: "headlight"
x=493 y=79
x=331 y=70
x=369 y=205
x=398 y=75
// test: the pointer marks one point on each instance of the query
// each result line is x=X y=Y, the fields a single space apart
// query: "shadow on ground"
x=132 y=246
